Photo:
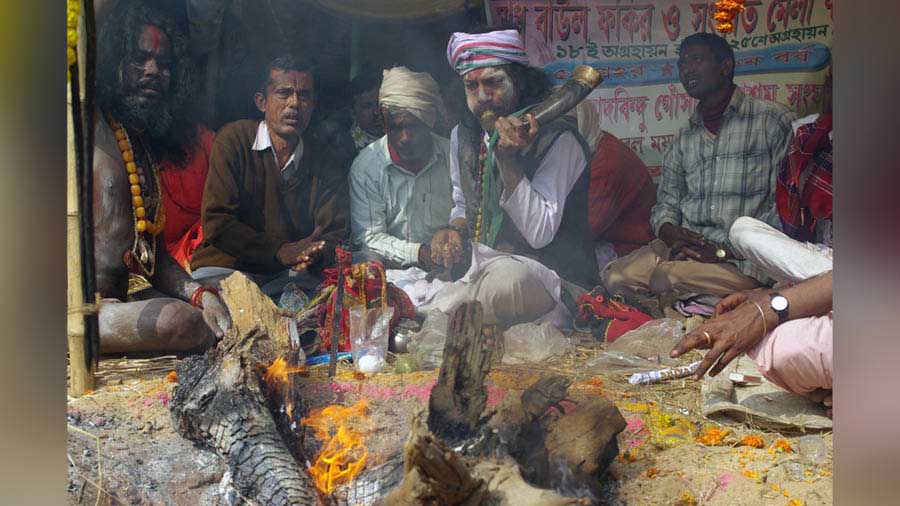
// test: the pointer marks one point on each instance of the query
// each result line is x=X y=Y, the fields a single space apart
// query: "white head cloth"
x=414 y=92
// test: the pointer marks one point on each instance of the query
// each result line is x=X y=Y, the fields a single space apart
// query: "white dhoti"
x=784 y=259
x=511 y=289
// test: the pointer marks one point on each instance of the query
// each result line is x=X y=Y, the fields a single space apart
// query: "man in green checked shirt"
x=721 y=166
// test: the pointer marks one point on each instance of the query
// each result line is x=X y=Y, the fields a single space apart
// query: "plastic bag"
x=652 y=340
x=529 y=342
x=427 y=346
x=369 y=331
x=643 y=348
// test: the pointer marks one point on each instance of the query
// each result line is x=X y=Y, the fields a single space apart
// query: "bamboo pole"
x=83 y=329
x=81 y=374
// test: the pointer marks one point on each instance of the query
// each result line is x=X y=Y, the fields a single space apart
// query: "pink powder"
x=419 y=392
x=725 y=479
x=635 y=434
x=634 y=425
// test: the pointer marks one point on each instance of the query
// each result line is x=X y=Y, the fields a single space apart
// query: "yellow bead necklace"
x=141 y=222
x=479 y=185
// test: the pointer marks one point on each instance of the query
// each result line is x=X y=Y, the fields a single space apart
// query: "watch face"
x=779 y=303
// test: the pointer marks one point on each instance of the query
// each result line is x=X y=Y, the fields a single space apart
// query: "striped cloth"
x=469 y=51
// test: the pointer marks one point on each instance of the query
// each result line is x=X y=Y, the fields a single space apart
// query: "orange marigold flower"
x=627 y=457
x=652 y=472
x=712 y=436
x=172 y=377
x=783 y=446
x=753 y=440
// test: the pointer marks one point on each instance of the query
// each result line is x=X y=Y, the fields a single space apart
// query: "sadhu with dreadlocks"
x=150 y=163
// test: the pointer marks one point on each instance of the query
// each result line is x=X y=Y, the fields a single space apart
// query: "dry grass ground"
x=143 y=461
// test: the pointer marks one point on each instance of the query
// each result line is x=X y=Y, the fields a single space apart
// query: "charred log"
x=458 y=399
x=220 y=401
x=437 y=475
x=216 y=403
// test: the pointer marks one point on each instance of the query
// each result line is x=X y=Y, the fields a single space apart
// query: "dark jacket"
x=249 y=210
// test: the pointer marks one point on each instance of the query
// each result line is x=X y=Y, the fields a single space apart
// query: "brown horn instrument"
x=584 y=79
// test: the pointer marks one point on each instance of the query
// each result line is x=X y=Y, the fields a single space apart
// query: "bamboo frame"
x=82 y=325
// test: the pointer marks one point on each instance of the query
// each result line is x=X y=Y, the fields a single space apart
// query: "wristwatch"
x=780 y=305
x=720 y=252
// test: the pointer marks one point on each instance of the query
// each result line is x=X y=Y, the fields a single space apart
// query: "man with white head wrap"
x=400 y=191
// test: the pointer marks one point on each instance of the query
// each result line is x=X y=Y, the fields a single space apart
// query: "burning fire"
x=343 y=455
x=277 y=373
x=277 y=380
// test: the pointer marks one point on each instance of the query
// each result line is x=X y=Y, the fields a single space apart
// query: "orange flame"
x=343 y=456
x=277 y=373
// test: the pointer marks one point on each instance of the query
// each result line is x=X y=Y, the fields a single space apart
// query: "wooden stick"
x=336 y=323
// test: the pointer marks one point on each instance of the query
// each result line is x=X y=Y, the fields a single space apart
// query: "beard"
x=153 y=118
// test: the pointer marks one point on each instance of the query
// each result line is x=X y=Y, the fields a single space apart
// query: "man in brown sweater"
x=275 y=202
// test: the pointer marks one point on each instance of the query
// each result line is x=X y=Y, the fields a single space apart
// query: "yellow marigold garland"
x=726 y=11
x=73 y=9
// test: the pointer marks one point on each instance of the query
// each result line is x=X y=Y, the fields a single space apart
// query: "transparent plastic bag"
x=369 y=332
x=427 y=346
x=645 y=347
x=529 y=342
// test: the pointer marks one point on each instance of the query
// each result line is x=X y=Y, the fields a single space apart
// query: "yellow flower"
x=73 y=8
x=686 y=499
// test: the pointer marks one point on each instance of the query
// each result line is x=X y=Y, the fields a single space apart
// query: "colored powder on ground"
x=725 y=479
x=412 y=391
x=635 y=433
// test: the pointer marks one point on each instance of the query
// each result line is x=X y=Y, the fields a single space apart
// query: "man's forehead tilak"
x=484 y=73
x=155 y=33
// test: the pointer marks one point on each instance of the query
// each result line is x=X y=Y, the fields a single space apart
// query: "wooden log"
x=220 y=401
x=433 y=474
x=459 y=397
x=581 y=444
x=250 y=308
x=437 y=475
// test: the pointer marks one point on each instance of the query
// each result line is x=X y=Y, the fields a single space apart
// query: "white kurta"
x=535 y=207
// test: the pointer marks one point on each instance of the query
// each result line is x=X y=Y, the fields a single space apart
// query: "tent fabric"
x=392 y=9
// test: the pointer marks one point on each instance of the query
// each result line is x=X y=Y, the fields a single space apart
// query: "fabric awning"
x=389 y=10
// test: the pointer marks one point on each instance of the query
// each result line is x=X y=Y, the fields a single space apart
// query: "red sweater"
x=182 y=190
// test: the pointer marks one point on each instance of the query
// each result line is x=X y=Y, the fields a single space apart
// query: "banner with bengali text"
x=782 y=48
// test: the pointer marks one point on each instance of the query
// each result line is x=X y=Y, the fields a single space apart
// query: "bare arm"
x=742 y=327
x=171 y=279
